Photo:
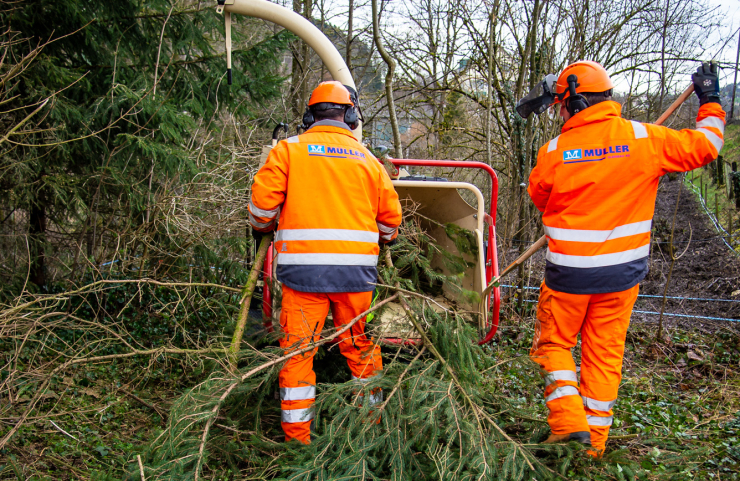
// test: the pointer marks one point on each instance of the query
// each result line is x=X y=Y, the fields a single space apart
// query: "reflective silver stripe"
x=297 y=415
x=551 y=377
x=258 y=224
x=262 y=212
x=376 y=398
x=600 y=421
x=562 y=391
x=602 y=260
x=326 y=234
x=297 y=393
x=386 y=232
x=605 y=406
x=327 y=259
x=385 y=229
x=293 y=140
x=578 y=235
x=640 y=130
x=553 y=144
x=716 y=141
x=715 y=122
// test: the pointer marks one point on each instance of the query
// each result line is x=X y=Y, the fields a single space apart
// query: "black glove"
x=706 y=83
x=257 y=236
x=382 y=243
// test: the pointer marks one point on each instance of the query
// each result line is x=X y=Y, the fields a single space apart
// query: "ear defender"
x=575 y=102
x=352 y=114
x=350 y=117
x=308 y=119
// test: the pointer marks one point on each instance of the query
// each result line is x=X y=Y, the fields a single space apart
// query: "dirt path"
x=708 y=269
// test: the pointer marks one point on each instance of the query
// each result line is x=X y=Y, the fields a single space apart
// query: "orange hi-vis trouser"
x=602 y=321
x=302 y=320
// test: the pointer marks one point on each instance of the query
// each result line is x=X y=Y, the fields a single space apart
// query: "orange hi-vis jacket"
x=596 y=185
x=334 y=200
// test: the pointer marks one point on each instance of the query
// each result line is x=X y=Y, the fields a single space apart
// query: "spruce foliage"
x=439 y=419
x=132 y=86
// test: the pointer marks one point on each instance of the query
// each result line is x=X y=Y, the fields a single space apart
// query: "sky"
x=729 y=34
x=722 y=42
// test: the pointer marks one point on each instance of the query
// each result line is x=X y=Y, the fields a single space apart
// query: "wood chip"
x=694 y=356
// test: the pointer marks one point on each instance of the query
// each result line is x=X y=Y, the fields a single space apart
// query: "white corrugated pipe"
x=297 y=24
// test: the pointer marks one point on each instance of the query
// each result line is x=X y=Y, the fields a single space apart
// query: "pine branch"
x=477 y=410
x=311 y=346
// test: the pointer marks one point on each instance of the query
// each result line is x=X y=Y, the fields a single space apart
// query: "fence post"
x=729 y=214
x=720 y=171
x=716 y=208
x=736 y=184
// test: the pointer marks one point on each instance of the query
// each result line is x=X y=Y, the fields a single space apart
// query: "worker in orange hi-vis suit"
x=595 y=185
x=335 y=203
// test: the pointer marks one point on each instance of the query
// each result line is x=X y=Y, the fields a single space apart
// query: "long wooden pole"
x=676 y=104
x=543 y=240
x=246 y=297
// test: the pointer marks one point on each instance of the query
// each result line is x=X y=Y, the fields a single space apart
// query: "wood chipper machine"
x=438 y=200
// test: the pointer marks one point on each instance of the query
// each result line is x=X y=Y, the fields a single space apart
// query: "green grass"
x=717 y=199
x=731 y=149
x=677 y=417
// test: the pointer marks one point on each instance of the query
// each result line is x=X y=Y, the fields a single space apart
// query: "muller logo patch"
x=572 y=154
x=316 y=149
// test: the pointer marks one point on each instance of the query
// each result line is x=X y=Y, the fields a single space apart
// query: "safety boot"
x=582 y=437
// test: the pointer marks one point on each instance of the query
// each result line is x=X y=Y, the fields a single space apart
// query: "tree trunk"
x=350 y=21
x=523 y=148
x=391 y=64
x=489 y=84
x=734 y=83
x=662 y=57
x=299 y=65
x=37 y=245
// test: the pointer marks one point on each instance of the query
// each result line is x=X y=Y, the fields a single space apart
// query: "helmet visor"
x=539 y=98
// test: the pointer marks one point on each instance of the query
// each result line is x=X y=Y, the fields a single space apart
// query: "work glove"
x=706 y=83
x=257 y=236
x=391 y=242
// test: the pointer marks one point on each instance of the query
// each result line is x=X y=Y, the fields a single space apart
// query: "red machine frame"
x=491 y=254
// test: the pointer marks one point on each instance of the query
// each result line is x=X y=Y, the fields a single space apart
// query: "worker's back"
x=335 y=199
x=333 y=183
x=596 y=185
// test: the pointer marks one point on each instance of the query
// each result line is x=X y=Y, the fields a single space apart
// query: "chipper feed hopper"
x=438 y=201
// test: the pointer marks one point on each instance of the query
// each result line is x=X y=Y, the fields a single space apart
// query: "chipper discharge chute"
x=439 y=205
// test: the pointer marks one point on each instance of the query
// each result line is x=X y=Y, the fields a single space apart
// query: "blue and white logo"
x=570 y=154
x=316 y=149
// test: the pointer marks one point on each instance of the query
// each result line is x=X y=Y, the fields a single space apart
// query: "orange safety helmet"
x=592 y=77
x=331 y=92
